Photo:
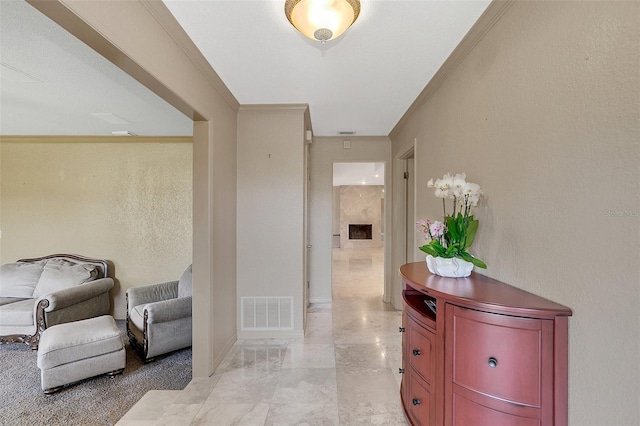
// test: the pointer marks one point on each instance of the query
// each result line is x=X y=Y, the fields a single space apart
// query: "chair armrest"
x=73 y=295
x=151 y=293
x=169 y=310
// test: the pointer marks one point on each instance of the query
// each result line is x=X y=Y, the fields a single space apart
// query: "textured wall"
x=123 y=201
x=544 y=113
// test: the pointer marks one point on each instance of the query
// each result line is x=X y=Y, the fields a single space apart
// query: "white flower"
x=471 y=189
x=459 y=181
x=472 y=192
x=442 y=193
x=446 y=182
x=458 y=185
x=443 y=186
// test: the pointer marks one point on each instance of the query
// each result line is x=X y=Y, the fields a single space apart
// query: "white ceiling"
x=358 y=174
x=363 y=81
x=69 y=82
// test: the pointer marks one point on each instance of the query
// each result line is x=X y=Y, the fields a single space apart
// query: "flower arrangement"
x=452 y=238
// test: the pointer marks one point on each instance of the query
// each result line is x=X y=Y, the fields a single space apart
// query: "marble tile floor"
x=343 y=372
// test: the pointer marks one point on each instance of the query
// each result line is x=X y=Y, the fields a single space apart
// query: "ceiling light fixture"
x=322 y=20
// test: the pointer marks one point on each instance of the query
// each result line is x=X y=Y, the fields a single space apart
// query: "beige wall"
x=124 y=200
x=324 y=152
x=271 y=176
x=544 y=114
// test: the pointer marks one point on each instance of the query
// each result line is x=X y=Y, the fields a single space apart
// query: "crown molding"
x=94 y=139
x=483 y=25
x=274 y=107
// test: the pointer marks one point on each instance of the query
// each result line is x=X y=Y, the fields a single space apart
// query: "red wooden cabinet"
x=492 y=355
x=418 y=361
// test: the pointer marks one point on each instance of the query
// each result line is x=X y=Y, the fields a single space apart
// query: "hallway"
x=344 y=371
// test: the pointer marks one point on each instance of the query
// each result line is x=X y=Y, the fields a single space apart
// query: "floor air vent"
x=267 y=313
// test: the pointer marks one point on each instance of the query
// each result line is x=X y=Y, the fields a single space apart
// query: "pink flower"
x=437 y=229
x=424 y=227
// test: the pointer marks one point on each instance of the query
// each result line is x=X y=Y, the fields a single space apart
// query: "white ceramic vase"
x=449 y=267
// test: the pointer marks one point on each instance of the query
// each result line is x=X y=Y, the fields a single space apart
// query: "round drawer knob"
x=416 y=352
x=493 y=363
x=415 y=401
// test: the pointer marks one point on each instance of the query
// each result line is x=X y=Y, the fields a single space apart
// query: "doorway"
x=358 y=229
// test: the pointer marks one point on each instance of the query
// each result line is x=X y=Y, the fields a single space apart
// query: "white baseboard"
x=320 y=300
x=270 y=334
x=227 y=347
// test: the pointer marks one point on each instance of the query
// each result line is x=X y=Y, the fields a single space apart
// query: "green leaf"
x=429 y=250
x=439 y=247
x=452 y=229
x=471 y=233
x=479 y=263
x=452 y=250
x=434 y=248
x=469 y=258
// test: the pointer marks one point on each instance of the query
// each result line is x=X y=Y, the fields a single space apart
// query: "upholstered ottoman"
x=78 y=350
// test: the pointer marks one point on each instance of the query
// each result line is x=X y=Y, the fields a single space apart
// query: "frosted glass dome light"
x=322 y=20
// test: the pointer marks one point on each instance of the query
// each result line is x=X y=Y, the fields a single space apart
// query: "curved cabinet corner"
x=493 y=354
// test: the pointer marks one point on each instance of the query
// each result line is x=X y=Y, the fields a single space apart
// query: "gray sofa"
x=40 y=292
x=159 y=317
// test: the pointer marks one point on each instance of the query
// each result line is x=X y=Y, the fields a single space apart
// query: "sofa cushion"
x=19 y=279
x=59 y=274
x=7 y=300
x=18 y=313
x=77 y=340
x=184 y=285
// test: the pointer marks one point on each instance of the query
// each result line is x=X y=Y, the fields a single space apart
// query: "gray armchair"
x=159 y=317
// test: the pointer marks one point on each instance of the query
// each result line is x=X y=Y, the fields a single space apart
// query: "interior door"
x=410 y=219
x=307 y=243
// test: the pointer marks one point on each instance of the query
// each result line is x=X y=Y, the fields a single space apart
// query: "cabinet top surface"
x=480 y=292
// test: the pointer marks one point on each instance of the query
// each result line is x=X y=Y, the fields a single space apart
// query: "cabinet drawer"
x=418 y=351
x=498 y=355
x=419 y=400
x=466 y=413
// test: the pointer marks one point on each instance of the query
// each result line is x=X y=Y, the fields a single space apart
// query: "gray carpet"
x=96 y=401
